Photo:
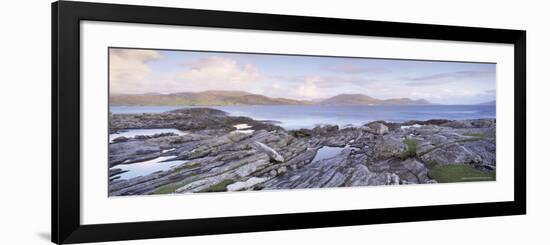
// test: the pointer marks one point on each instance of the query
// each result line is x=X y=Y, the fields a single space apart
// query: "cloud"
x=324 y=81
x=446 y=77
x=143 y=71
x=311 y=86
x=128 y=68
x=339 y=81
x=216 y=72
x=351 y=68
x=452 y=93
x=309 y=89
x=131 y=73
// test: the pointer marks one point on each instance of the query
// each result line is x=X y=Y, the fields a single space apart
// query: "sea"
x=309 y=116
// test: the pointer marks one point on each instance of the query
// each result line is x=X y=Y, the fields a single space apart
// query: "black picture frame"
x=66 y=18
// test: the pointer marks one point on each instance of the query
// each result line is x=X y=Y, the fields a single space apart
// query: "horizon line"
x=304 y=100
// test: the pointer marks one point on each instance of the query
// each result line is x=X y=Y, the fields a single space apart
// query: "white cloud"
x=130 y=73
x=309 y=89
x=444 y=94
x=129 y=68
x=218 y=73
x=353 y=68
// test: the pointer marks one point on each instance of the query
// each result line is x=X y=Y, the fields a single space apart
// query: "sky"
x=136 y=71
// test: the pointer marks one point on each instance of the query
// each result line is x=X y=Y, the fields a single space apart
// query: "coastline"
x=219 y=152
x=308 y=116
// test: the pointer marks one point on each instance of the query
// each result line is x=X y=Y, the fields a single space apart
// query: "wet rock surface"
x=215 y=155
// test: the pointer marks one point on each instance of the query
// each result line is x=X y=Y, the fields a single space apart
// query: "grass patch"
x=187 y=166
x=172 y=187
x=219 y=187
x=430 y=164
x=411 y=148
x=469 y=140
x=459 y=173
x=166 y=189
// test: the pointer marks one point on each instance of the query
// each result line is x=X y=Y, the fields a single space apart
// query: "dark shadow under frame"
x=66 y=17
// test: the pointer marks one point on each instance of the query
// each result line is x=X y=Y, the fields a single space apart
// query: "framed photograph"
x=177 y=122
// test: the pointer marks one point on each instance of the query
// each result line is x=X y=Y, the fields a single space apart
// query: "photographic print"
x=205 y=121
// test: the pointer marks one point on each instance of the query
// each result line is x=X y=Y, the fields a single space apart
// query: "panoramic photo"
x=197 y=121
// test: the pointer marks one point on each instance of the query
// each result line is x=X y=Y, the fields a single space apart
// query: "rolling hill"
x=224 y=98
x=210 y=98
x=360 y=99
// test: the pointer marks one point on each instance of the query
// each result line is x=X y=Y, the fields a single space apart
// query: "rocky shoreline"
x=219 y=152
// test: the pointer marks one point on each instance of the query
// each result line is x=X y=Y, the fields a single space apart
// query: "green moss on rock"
x=459 y=173
x=411 y=148
x=219 y=187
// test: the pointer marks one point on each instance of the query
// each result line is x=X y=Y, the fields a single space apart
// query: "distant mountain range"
x=222 y=98
x=361 y=99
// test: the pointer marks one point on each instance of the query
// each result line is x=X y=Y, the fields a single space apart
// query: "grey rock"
x=269 y=151
x=186 y=119
x=325 y=130
x=412 y=171
x=314 y=175
x=377 y=128
x=437 y=122
x=409 y=171
x=473 y=123
x=116 y=171
x=389 y=147
x=282 y=170
x=270 y=157
x=300 y=133
x=457 y=153
x=120 y=139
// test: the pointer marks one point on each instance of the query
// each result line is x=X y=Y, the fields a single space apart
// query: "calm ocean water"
x=298 y=116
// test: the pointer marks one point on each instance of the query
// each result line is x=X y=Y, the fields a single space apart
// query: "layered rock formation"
x=218 y=156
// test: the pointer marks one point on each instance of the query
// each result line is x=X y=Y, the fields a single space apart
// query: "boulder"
x=300 y=133
x=413 y=171
x=116 y=171
x=486 y=150
x=273 y=155
x=436 y=139
x=325 y=129
x=388 y=147
x=120 y=139
x=377 y=128
x=452 y=154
